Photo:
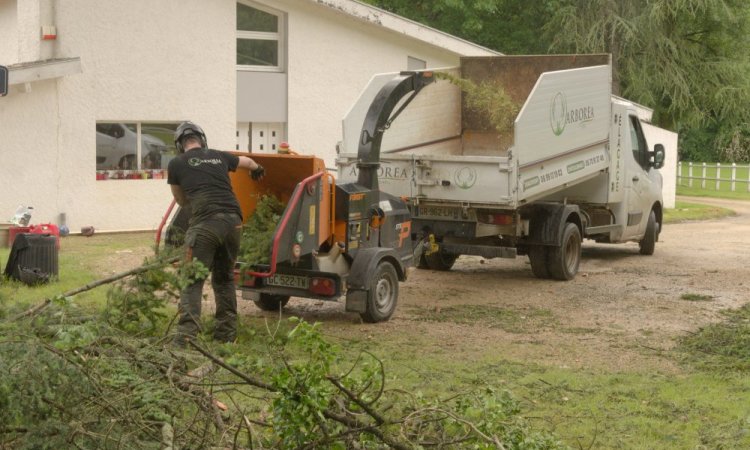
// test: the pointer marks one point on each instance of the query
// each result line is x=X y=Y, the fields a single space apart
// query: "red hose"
x=282 y=225
x=161 y=225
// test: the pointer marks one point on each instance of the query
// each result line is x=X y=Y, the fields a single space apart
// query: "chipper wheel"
x=271 y=302
x=382 y=295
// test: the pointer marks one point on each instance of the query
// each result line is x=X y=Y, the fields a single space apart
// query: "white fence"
x=715 y=176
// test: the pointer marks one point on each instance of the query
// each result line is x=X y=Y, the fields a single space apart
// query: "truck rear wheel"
x=440 y=260
x=382 y=294
x=563 y=261
x=648 y=243
x=538 y=256
x=271 y=302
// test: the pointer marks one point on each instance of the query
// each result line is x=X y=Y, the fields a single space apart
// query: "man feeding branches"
x=199 y=179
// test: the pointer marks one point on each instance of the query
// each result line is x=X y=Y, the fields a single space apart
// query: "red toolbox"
x=47 y=228
x=14 y=231
x=44 y=228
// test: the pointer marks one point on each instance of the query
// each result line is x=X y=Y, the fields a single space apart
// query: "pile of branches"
x=488 y=98
x=257 y=233
x=71 y=377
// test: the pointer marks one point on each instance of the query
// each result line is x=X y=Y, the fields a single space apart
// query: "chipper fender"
x=373 y=283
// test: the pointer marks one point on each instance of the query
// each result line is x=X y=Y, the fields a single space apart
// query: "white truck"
x=575 y=164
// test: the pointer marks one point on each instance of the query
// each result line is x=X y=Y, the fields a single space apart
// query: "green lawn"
x=709 y=188
x=683 y=212
x=700 y=407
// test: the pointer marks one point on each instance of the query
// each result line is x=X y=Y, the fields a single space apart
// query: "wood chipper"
x=332 y=240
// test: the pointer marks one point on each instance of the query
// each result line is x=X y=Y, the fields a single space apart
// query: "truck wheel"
x=648 y=243
x=271 y=302
x=382 y=294
x=564 y=260
x=440 y=260
x=538 y=256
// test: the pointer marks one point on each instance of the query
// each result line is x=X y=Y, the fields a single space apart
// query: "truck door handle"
x=636 y=178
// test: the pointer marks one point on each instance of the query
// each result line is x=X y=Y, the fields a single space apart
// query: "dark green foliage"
x=257 y=233
x=78 y=379
x=697 y=145
x=314 y=384
x=137 y=305
x=73 y=378
x=688 y=60
x=508 y=26
x=723 y=347
x=304 y=392
x=487 y=98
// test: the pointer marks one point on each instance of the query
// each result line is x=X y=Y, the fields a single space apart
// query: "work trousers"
x=215 y=243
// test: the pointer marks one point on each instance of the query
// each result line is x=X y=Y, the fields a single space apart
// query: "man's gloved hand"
x=258 y=173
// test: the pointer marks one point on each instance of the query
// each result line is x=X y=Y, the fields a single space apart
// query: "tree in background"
x=508 y=26
x=687 y=59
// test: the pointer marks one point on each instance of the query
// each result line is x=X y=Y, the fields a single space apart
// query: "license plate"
x=293 y=281
x=438 y=211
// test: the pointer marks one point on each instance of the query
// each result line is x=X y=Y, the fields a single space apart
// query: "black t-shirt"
x=203 y=175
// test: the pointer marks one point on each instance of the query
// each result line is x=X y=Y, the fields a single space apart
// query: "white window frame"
x=279 y=37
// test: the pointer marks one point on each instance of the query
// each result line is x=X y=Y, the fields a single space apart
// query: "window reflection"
x=118 y=155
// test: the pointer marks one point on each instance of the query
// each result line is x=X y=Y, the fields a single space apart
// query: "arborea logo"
x=558 y=112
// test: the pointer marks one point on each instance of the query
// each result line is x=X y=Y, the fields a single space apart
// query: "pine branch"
x=94 y=284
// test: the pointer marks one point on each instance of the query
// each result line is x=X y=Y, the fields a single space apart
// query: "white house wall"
x=141 y=60
x=332 y=57
x=8 y=32
x=167 y=61
x=655 y=135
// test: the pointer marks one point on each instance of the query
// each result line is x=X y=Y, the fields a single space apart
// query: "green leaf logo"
x=465 y=177
x=558 y=111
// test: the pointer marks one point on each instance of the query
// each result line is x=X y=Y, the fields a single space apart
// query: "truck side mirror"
x=658 y=155
x=3 y=81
